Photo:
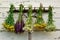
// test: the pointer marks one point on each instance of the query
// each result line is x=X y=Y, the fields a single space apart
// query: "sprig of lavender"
x=20 y=23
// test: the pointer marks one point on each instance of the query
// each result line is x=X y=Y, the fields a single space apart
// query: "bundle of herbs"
x=28 y=24
x=50 y=26
x=20 y=23
x=9 y=22
x=39 y=24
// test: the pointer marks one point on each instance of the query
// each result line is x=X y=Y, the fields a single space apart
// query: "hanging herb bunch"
x=20 y=23
x=50 y=25
x=9 y=22
x=28 y=24
x=39 y=24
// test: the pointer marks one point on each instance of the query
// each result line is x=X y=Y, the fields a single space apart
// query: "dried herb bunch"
x=28 y=24
x=20 y=23
x=50 y=25
x=9 y=22
x=39 y=24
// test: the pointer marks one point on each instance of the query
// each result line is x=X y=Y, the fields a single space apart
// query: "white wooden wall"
x=4 y=7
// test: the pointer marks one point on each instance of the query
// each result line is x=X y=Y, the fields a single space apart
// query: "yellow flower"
x=40 y=16
x=11 y=27
x=35 y=25
x=3 y=24
x=29 y=29
x=38 y=27
x=8 y=25
x=26 y=28
x=43 y=24
x=12 y=30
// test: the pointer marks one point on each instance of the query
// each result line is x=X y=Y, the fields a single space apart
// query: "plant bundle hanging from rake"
x=50 y=26
x=20 y=23
x=39 y=24
x=28 y=24
x=9 y=22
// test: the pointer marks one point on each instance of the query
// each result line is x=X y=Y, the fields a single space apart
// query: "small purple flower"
x=19 y=26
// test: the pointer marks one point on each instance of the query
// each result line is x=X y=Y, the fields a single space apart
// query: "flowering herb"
x=50 y=25
x=9 y=22
x=39 y=24
x=20 y=23
x=28 y=24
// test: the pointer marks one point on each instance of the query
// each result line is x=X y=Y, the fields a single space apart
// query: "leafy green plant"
x=39 y=24
x=28 y=24
x=50 y=25
x=9 y=22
